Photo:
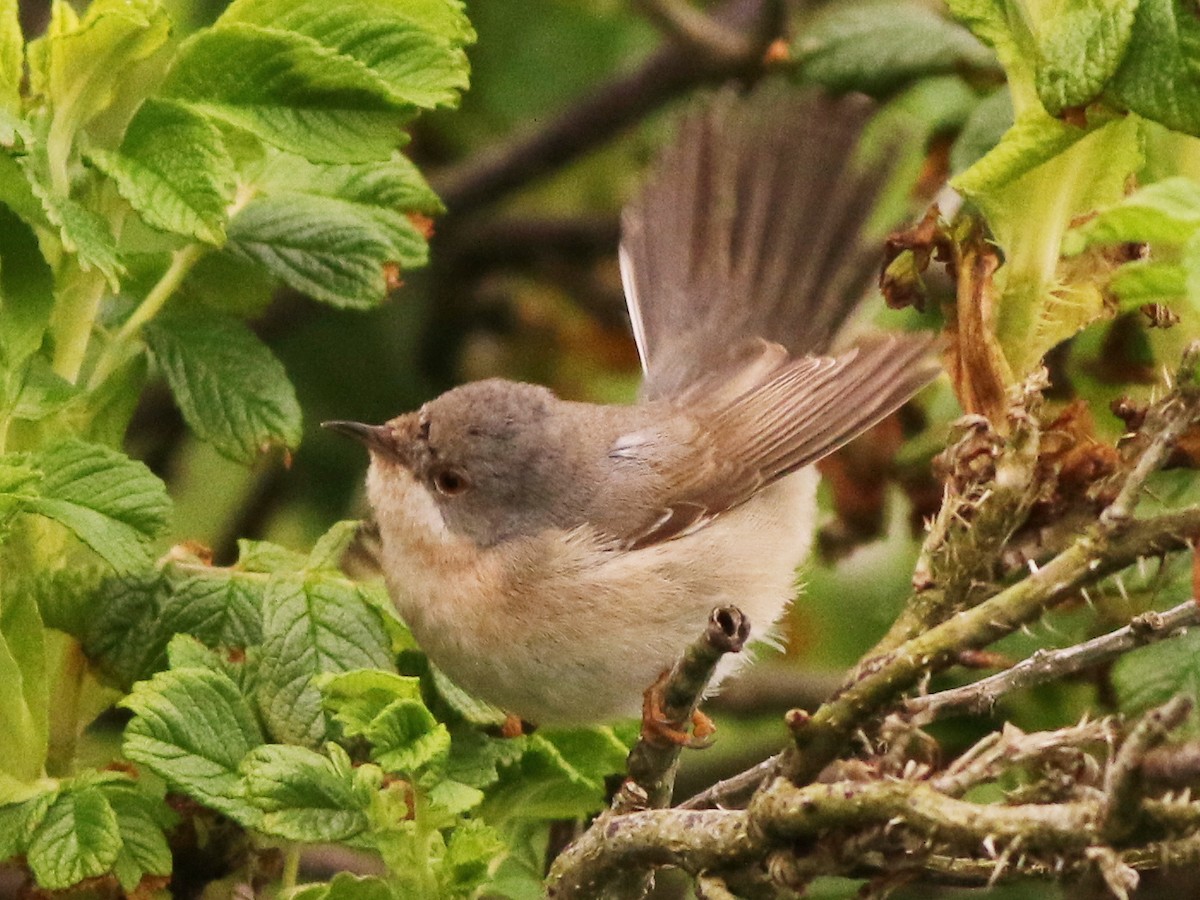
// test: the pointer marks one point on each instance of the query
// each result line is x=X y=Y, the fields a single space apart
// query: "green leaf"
x=1158 y=78
x=193 y=728
x=12 y=57
x=383 y=193
x=24 y=691
x=345 y=886
x=174 y=170
x=308 y=797
x=266 y=558
x=414 y=48
x=79 y=65
x=141 y=819
x=79 y=838
x=19 y=820
x=560 y=775
x=81 y=230
x=137 y=617
x=1031 y=141
x=1150 y=676
x=312 y=625
x=230 y=387
x=1080 y=47
x=327 y=248
x=1166 y=211
x=289 y=91
x=983 y=130
x=1148 y=282
x=26 y=296
x=469 y=853
x=329 y=549
x=406 y=738
x=114 y=504
x=357 y=697
x=872 y=47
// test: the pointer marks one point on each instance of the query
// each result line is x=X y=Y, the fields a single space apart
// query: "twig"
x=670 y=72
x=735 y=791
x=1050 y=665
x=699 y=31
x=653 y=762
x=1090 y=558
x=1122 y=781
x=1165 y=422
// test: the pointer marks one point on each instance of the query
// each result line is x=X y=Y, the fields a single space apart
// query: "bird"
x=555 y=557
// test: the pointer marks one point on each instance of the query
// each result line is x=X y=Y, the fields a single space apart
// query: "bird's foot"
x=660 y=731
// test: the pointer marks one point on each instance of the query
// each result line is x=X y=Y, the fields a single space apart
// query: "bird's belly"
x=581 y=641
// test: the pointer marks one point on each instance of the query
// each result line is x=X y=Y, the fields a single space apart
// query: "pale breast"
x=562 y=628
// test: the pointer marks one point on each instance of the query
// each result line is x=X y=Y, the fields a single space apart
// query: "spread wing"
x=749 y=230
x=807 y=408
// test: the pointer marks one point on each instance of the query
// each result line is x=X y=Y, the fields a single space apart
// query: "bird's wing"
x=806 y=409
x=749 y=230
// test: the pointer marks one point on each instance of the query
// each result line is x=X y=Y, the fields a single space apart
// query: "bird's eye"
x=450 y=482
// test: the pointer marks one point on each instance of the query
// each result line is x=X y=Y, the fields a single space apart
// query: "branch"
x=1050 y=665
x=1123 y=780
x=672 y=71
x=652 y=761
x=698 y=31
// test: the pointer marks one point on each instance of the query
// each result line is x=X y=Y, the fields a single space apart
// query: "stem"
x=182 y=262
x=64 y=704
x=80 y=304
x=291 y=868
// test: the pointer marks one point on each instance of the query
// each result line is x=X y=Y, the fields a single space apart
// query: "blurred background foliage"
x=524 y=285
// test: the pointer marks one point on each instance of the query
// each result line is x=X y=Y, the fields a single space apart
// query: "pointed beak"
x=374 y=437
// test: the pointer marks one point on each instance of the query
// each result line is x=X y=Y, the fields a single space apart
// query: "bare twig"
x=1050 y=665
x=1123 y=781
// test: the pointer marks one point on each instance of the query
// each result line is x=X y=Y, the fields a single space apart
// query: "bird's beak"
x=374 y=437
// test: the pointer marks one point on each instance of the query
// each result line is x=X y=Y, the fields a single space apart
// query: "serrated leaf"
x=26 y=295
x=174 y=170
x=560 y=775
x=19 y=820
x=1150 y=676
x=138 y=616
x=193 y=728
x=305 y=796
x=81 y=230
x=1166 y=211
x=453 y=797
x=266 y=558
x=1032 y=140
x=345 y=886
x=312 y=625
x=329 y=549
x=1159 y=77
x=420 y=59
x=12 y=57
x=79 y=64
x=289 y=91
x=78 y=838
x=872 y=47
x=405 y=738
x=1080 y=47
x=1148 y=282
x=327 y=248
x=141 y=820
x=469 y=853
x=114 y=504
x=357 y=697
x=983 y=130
x=230 y=387
x=24 y=690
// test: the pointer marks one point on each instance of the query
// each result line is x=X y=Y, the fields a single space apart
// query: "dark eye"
x=450 y=481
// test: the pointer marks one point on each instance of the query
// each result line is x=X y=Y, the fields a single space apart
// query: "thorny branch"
x=840 y=801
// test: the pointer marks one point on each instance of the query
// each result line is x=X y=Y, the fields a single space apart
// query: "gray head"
x=492 y=455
